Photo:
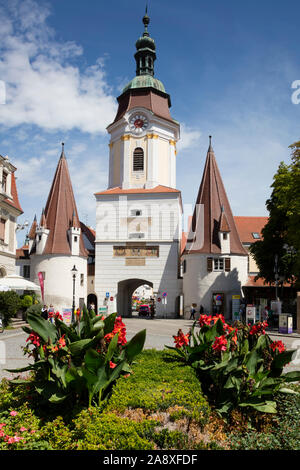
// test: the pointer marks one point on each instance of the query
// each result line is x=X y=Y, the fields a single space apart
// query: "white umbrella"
x=15 y=282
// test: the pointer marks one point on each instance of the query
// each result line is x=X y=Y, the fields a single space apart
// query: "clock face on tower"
x=138 y=123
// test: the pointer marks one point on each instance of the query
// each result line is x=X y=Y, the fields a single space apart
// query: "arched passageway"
x=125 y=291
x=92 y=301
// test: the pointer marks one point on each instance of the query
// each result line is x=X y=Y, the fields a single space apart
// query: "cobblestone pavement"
x=159 y=333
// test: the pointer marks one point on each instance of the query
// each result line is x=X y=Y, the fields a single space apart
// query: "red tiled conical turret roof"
x=61 y=211
x=212 y=214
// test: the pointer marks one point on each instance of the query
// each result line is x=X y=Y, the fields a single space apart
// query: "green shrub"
x=57 y=434
x=166 y=439
x=282 y=434
x=27 y=301
x=10 y=304
x=96 y=431
x=159 y=382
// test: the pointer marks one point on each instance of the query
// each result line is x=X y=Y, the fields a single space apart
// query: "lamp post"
x=74 y=272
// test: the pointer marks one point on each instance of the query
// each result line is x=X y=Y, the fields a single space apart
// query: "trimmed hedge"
x=160 y=382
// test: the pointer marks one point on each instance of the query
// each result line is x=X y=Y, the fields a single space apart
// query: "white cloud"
x=189 y=137
x=43 y=86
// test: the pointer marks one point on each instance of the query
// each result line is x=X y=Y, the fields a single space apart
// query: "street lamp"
x=74 y=272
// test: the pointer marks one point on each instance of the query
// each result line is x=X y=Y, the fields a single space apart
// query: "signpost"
x=250 y=314
x=236 y=303
x=103 y=310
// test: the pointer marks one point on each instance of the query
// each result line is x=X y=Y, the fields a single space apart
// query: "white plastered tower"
x=138 y=217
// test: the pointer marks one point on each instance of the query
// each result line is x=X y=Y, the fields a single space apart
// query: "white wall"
x=199 y=285
x=58 y=282
x=113 y=218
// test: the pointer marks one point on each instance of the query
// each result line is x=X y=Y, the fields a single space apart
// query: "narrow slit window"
x=138 y=159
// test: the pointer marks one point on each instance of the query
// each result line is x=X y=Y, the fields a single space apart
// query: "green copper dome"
x=145 y=56
x=145 y=81
x=145 y=42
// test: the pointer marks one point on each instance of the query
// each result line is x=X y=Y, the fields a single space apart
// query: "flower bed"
x=239 y=365
x=159 y=406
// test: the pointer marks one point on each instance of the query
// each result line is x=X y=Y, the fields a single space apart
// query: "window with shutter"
x=227 y=264
x=138 y=159
x=209 y=265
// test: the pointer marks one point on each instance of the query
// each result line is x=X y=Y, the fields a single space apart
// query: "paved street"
x=159 y=334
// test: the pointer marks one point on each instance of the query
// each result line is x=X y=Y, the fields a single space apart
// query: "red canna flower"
x=205 y=320
x=218 y=317
x=220 y=344
x=112 y=365
x=259 y=328
x=62 y=342
x=119 y=328
x=278 y=345
x=58 y=315
x=181 y=339
x=34 y=338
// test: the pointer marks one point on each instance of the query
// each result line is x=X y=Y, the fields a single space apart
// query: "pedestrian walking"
x=152 y=310
x=265 y=313
x=192 y=312
x=44 y=312
x=51 y=313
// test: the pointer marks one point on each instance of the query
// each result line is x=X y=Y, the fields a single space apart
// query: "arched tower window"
x=138 y=159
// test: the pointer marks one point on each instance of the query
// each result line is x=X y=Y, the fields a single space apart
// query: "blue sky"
x=228 y=66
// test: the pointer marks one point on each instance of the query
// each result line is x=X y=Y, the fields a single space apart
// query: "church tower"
x=139 y=215
x=143 y=134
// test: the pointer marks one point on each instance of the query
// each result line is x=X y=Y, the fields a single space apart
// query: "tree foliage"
x=10 y=303
x=281 y=233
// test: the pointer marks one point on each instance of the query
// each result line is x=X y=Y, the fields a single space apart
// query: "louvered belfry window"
x=138 y=159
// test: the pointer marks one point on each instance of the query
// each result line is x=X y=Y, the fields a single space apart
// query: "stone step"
x=17 y=323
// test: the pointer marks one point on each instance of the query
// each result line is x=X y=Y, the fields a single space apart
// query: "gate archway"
x=126 y=289
x=92 y=299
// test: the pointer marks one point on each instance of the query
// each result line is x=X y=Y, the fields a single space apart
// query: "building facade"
x=56 y=245
x=138 y=217
x=10 y=210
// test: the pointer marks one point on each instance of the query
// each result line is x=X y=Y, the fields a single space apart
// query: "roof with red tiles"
x=261 y=282
x=32 y=231
x=22 y=252
x=61 y=212
x=247 y=226
x=211 y=210
x=156 y=189
x=14 y=193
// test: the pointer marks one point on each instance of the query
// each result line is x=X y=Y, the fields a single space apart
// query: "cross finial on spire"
x=146 y=21
x=62 y=150
x=210 y=149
